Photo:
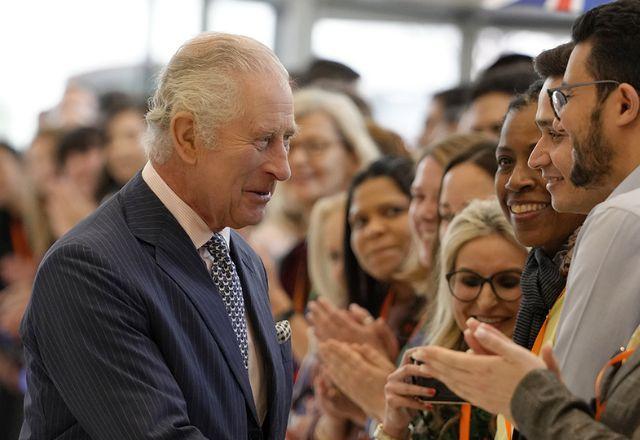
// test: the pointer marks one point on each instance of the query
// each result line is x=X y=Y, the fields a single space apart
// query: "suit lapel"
x=632 y=364
x=175 y=254
x=260 y=314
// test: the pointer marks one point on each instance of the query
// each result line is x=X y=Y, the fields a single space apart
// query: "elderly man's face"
x=236 y=178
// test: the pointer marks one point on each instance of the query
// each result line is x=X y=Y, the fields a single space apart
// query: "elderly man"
x=150 y=319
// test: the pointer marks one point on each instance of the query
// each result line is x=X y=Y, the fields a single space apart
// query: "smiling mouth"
x=382 y=250
x=553 y=179
x=490 y=320
x=525 y=208
x=264 y=195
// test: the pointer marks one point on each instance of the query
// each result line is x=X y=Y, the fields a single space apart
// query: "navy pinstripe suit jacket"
x=126 y=336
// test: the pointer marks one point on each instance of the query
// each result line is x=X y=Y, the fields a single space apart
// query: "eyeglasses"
x=313 y=147
x=466 y=285
x=559 y=99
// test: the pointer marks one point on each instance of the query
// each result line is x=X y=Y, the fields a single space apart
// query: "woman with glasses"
x=480 y=267
x=332 y=145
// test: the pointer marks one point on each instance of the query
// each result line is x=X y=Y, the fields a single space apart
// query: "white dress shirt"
x=602 y=305
x=200 y=234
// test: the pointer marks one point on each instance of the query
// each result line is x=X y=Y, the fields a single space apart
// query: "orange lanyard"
x=19 y=240
x=619 y=359
x=385 y=309
x=537 y=346
x=464 y=429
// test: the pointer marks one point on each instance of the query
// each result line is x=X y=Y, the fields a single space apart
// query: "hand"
x=14 y=269
x=487 y=381
x=13 y=303
x=360 y=372
x=354 y=325
x=382 y=337
x=400 y=396
x=334 y=403
x=66 y=205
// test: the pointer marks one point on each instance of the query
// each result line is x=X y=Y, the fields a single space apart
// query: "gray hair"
x=202 y=79
x=479 y=219
x=348 y=119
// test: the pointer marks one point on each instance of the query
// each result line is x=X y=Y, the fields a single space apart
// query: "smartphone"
x=443 y=393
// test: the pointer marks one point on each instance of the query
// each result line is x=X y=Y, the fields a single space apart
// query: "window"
x=49 y=42
x=401 y=64
x=493 y=42
x=251 y=18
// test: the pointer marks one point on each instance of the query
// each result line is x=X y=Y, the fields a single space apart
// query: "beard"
x=592 y=157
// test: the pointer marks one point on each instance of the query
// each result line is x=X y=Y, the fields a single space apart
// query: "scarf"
x=541 y=284
x=542 y=281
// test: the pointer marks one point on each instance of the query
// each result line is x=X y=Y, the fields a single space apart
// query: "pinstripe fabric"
x=126 y=336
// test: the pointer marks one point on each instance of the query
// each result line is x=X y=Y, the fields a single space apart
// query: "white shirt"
x=602 y=305
x=200 y=234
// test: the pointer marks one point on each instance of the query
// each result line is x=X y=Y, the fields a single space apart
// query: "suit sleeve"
x=87 y=329
x=544 y=409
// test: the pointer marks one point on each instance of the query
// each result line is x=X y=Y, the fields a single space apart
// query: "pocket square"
x=283 y=331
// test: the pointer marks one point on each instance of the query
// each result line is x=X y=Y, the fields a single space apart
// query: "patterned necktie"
x=225 y=277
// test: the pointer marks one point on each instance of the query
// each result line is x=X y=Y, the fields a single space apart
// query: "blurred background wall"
x=404 y=50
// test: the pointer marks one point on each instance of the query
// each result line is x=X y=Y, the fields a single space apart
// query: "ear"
x=627 y=104
x=182 y=129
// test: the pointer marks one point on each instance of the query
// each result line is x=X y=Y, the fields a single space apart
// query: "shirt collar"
x=631 y=182
x=189 y=220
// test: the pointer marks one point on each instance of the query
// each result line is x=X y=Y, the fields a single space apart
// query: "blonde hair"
x=480 y=219
x=450 y=147
x=351 y=127
x=346 y=116
x=322 y=280
x=202 y=78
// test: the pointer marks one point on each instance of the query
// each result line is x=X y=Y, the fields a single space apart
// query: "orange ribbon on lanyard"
x=537 y=346
x=464 y=429
x=619 y=359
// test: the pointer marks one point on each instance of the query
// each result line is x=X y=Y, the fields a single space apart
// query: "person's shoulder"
x=628 y=202
x=617 y=212
x=100 y=233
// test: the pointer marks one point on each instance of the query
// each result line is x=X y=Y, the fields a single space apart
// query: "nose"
x=539 y=157
x=487 y=299
x=297 y=156
x=278 y=163
x=428 y=209
x=375 y=227
x=521 y=178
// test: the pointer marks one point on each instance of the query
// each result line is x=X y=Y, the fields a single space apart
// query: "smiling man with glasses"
x=602 y=122
x=598 y=105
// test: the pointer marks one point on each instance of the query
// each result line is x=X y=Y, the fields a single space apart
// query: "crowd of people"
x=496 y=256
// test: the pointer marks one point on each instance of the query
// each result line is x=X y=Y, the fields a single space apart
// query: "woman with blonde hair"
x=481 y=264
x=332 y=145
x=325 y=249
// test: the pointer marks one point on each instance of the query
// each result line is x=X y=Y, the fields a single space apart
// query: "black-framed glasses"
x=466 y=285
x=559 y=99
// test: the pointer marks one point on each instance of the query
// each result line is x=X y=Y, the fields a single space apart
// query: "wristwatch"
x=379 y=434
